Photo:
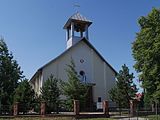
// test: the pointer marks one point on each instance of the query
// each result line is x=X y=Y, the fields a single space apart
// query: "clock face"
x=81 y=61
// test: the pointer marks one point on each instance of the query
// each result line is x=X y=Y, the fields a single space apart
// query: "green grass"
x=98 y=119
x=38 y=118
x=153 y=117
x=52 y=118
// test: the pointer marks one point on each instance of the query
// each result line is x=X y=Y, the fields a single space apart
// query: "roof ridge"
x=78 y=16
x=88 y=43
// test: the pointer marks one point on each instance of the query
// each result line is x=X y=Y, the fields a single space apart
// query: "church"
x=90 y=65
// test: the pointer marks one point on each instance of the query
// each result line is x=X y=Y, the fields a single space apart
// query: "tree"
x=50 y=92
x=146 y=52
x=73 y=89
x=10 y=74
x=125 y=90
x=25 y=95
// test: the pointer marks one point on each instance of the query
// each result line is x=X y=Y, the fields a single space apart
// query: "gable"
x=81 y=45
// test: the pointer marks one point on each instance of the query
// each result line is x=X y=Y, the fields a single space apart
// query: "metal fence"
x=62 y=107
x=28 y=109
x=6 y=110
x=119 y=112
x=146 y=113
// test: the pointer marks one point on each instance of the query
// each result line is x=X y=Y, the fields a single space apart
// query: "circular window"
x=82 y=73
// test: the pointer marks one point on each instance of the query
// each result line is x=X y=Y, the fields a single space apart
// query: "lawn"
x=98 y=119
x=38 y=118
x=153 y=117
x=51 y=118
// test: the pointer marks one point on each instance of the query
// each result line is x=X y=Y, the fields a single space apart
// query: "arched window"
x=82 y=76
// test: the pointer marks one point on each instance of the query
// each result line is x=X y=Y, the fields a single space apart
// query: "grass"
x=98 y=119
x=153 y=117
x=52 y=118
x=38 y=118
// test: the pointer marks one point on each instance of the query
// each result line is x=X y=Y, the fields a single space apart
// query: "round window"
x=82 y=73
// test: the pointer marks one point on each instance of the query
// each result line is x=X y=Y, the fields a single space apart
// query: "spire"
x=76 y=24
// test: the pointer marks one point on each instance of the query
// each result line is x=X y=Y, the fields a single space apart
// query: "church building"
x=90 y=65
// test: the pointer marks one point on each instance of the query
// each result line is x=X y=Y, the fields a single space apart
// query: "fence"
x=6 y=110
x=43 y=109
x=29 y=109
x=147 y=113
x=62 y=107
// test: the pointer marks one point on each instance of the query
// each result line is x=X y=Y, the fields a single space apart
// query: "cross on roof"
x=76 y=6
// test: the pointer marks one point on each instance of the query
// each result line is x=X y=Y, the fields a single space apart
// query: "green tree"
x=10 y=74
x=125 y=89
x=146 y=52
x=50 y=92
x=73 y=89
x=25 y=95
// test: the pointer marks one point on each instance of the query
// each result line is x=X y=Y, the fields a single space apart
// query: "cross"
x=76 y=6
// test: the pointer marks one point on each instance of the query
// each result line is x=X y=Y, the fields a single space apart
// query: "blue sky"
x=33 y=29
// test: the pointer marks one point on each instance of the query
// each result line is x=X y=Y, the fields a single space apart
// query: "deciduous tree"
x=146 y=52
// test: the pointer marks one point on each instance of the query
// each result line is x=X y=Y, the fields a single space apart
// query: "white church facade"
x=90 y=65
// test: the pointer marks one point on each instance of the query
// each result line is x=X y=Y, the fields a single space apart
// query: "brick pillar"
x=43 y=108
x=105 y=108
x=133 y=106
x=15 y=109
x=76 y=107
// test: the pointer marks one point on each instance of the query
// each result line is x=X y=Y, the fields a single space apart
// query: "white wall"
x=96 y=70
x=59 y=66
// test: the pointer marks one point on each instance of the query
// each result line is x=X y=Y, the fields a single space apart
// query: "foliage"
x=24 y=92
x=50 y=93
x=25 y=95
x=125 y=89
x=73 y=89
x=146 y=52
x=10 y=74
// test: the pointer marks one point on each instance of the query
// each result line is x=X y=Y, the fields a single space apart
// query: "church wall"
x=98 y=71
x=82 y=58
x=50 y=69
x=104 y=78
x=110 y=80
x=85 y=59
x=63 y=61
x=78 y=54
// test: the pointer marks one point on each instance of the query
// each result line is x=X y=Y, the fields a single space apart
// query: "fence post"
x=105 y=108
x=15 y=109
x=133 y=105
x=43 y=108
x=76 y=107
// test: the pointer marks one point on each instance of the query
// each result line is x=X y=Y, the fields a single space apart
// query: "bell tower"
x=76 y=28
